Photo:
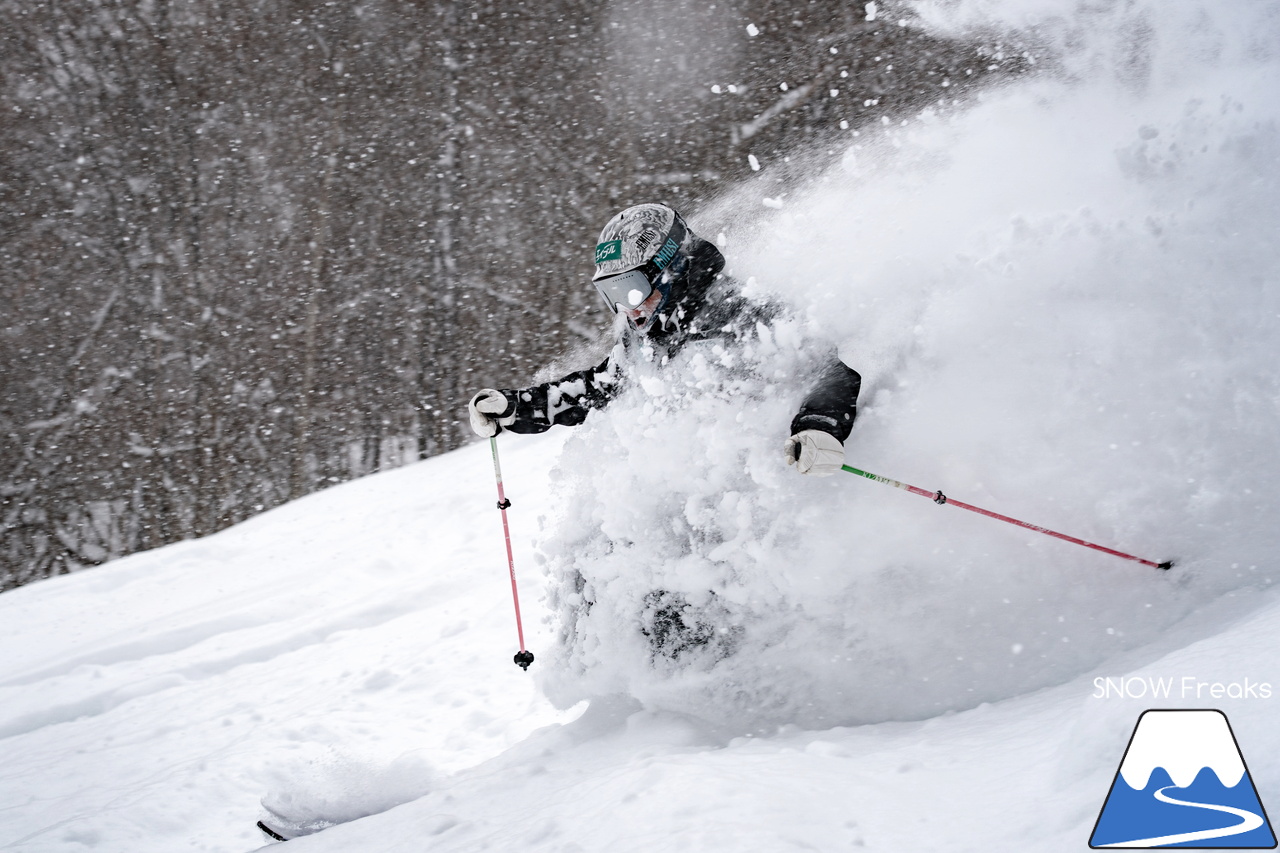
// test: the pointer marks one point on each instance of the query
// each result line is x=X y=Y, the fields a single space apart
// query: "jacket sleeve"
x=566 y=401
x=832 y=404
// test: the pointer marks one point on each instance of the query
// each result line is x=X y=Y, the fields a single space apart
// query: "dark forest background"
x=252 y=248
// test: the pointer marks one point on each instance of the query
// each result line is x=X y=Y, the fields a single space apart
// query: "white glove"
x=813 y=451
x=484 y=409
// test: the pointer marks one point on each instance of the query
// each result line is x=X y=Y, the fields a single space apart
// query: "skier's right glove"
x=486 y=409
x=815 y=452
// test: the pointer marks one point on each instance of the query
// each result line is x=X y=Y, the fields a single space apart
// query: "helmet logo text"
x=610 y=251
x=666 y=253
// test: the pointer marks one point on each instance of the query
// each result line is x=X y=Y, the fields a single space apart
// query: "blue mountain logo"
x=1183 y=783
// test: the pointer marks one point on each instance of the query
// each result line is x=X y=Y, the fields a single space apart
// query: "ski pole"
x=940 y=498
x=523 y=657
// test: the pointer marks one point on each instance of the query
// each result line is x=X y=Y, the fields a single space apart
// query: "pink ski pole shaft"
x=940 y=498
x=523 y=657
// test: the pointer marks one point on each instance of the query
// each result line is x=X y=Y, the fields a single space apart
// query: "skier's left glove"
x=815 y=452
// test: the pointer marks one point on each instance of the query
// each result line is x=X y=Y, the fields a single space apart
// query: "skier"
x=668 y=285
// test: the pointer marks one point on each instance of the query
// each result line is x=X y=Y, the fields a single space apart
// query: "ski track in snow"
x=1064 y=302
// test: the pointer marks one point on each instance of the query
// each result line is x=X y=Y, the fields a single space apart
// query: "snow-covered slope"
x=1065 y=302
x=1027 y=774
x=339 y=652
x=352 y=651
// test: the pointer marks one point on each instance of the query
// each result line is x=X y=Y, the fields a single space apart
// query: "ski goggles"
x=629 y=289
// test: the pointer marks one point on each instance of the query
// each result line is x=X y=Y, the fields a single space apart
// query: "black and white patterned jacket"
x=706 y=305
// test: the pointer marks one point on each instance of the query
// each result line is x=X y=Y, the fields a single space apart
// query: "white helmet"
x=640 y=250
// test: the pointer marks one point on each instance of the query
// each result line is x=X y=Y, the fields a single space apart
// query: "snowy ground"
x=352 y=650
x=1065 y=302
x=349 y=628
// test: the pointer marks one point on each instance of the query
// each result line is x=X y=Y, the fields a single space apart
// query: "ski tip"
x=523 y=659
x=270 y=833
x=1166 y=565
